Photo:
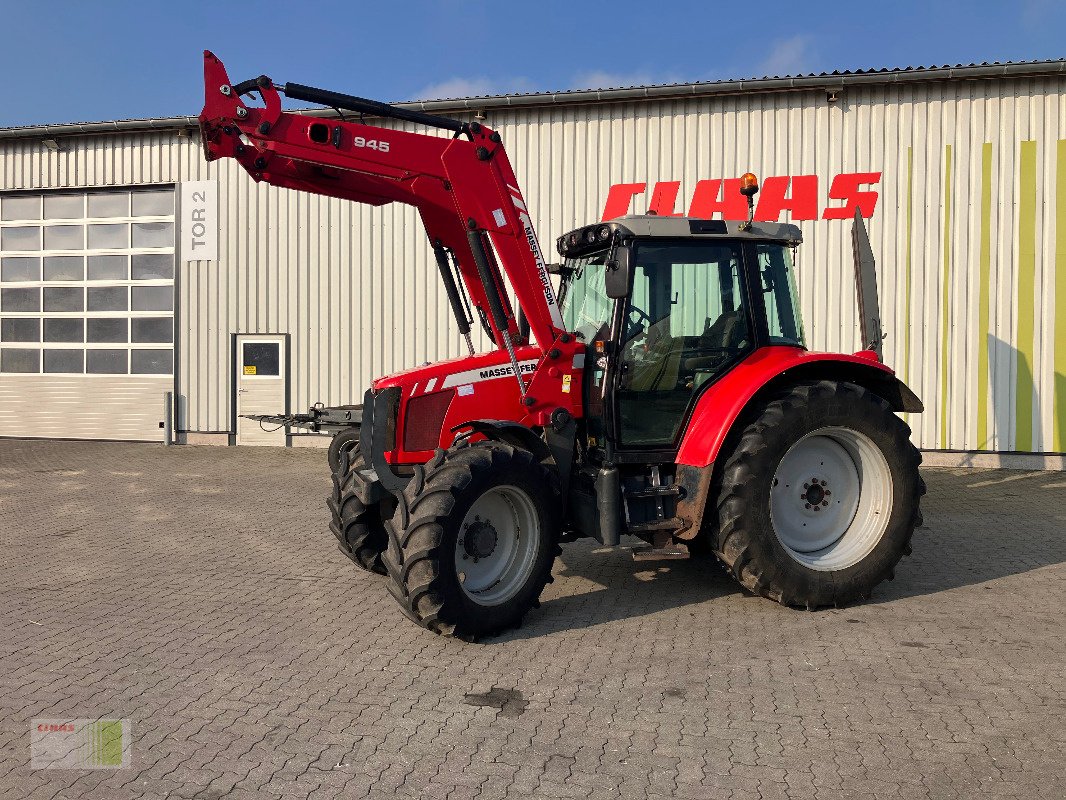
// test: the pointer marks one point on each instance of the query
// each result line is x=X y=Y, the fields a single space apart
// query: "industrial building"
x=130 y=267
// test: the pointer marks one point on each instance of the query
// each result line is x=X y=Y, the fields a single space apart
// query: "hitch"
x=319 y=418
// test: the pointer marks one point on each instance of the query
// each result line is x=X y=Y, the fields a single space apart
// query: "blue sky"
x=85 y=61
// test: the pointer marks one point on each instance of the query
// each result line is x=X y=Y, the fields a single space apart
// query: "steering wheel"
x=642 y=324
x=642 y=316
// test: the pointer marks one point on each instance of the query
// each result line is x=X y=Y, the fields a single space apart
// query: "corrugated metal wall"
x=969 y=229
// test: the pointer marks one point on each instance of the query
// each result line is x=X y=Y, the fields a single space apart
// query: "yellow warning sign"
x=249 y=369
x=566 y=383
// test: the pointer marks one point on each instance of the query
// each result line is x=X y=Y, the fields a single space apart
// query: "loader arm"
x=464 y=188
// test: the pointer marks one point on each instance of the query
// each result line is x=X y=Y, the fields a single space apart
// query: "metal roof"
x=827 y=81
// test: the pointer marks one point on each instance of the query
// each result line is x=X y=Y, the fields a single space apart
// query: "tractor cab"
x=666 y=307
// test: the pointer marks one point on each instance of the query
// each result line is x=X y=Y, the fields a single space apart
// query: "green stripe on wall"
x=907 y=295
x=985 y=279
x=1023 y=417
x=1060 y=298
x=946 y=306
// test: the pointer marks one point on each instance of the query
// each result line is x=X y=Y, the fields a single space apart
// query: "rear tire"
x=819 y=497
x=360 y=529
x=473 y=539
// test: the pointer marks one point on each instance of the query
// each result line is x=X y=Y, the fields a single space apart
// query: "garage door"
x=86 y=313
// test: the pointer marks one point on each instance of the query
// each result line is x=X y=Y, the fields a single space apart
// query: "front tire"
x=473 y=539
x=819 y=498
x=341 y=441
x=360 y=529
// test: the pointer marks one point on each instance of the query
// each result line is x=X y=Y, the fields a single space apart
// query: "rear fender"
x=742 y=391
x=727 y=407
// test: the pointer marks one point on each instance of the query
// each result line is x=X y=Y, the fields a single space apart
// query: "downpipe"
x=168 y=419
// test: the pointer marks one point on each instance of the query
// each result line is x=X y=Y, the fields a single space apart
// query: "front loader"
x=664 y=391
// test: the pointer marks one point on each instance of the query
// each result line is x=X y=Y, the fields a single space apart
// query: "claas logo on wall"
x=721 y=198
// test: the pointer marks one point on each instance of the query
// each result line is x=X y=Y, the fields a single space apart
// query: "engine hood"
x=461 y=371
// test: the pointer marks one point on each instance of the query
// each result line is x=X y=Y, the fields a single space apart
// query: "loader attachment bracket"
x=379 y=421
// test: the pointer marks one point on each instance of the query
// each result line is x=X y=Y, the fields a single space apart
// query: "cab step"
x=662 y=547
x=668 y=551
x=671 y=524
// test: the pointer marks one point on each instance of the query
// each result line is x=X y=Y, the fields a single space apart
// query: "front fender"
x=766 y=371
x=512 y=433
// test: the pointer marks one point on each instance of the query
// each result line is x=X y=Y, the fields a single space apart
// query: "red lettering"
x=796 y=194
x=664 y=199
x=772 y=198
x=705 y=200
x=846 y=187
x=619 y=197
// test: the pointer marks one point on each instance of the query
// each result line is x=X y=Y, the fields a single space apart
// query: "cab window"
x=780 y=297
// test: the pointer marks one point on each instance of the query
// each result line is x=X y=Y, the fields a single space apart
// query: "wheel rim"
x=831 y=498
x=497 y=545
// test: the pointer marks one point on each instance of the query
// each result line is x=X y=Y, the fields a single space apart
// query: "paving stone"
x=198 y=593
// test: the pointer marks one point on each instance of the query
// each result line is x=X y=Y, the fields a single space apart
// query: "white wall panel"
x=357 y=289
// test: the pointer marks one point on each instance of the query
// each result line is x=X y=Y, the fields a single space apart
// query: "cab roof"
x=593 y=238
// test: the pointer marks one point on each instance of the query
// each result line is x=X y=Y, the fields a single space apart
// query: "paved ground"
x=197 y=592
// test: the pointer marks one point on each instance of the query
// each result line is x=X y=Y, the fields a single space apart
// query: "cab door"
x=685 y=323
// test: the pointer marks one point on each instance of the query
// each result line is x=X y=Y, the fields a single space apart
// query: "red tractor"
x=664 y=390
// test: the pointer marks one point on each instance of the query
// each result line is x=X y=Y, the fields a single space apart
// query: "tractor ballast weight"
x=665 y=390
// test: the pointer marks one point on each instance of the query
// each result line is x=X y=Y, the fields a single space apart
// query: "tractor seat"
x=659 y=369
x=725 y=335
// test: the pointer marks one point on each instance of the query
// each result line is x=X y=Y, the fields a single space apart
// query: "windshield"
x=585 y=305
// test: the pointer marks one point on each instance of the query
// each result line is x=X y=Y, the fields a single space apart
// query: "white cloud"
x=471 y=87
x=456 y=87
x=790 y=56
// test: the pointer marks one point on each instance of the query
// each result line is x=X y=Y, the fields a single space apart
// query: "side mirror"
x=616 y=274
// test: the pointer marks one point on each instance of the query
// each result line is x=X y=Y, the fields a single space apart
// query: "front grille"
x=423 y=420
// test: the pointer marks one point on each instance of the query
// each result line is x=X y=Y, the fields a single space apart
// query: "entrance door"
x=261 y=387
